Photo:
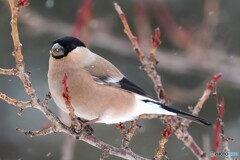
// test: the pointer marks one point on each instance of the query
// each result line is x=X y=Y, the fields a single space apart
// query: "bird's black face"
x=64 y=45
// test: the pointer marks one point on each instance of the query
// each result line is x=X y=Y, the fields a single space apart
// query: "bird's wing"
x=105 y=73
x=122 y=83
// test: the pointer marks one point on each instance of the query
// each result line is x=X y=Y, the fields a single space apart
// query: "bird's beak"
x=57 y=50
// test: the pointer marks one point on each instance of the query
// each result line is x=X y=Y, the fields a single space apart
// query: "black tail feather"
x=182 y=114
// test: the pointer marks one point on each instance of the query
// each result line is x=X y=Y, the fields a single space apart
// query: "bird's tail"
x=171 y=111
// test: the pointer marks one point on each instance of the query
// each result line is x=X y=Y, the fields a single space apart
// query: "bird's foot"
x=86 y=125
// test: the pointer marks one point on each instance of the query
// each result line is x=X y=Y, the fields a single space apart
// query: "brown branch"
x=209 y=89
x=160 y=151
x=127 y=134
x=128 y=31
x=17 y=53
x=11 y=72
x=183 y=135
x=131 y=131
x=17 y=45
x=219 y=137
x=148 y=67
x=42 y=132
x=14 y=102
x=47 y=98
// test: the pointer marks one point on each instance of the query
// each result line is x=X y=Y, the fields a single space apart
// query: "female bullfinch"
x=99 y=91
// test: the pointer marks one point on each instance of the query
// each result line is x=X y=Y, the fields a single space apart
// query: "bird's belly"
x=81 y=110
x=91 y=100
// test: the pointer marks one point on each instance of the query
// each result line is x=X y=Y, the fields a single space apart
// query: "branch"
x=148 y=67
x=10 y=72
x=219 y=137
x=209 y=89
x=127 y=134
x=42 y=132
x=17 y=53
x=14 y=102
x=174 y=122
x=160 y=152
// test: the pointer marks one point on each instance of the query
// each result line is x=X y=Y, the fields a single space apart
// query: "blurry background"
x=200 y=38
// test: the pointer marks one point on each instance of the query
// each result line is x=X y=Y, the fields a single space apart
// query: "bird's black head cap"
x=67 y=44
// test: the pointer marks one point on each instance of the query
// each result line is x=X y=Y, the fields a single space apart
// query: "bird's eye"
x=57 y=50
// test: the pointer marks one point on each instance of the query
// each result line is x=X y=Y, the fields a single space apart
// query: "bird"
x=99 y=92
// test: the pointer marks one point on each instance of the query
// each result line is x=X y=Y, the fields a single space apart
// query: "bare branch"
x=127 y=134
x=14 y=102
x=219 y=137
x=11 y=72
x=209 y=89
x=47 y=98
x=42 y=132
x=148 y=67
x=128 y=31
x=174 y=122
x=17 y=45
x=160 y=151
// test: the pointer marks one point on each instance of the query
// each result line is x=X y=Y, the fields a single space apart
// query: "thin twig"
x=14 y=102
x=148 y=67
x=209 y=89
x=160 y=151
x=127 y=134
x=47 y=98
x=219 y=137
x=131 y=132
x=11 y=72
x=42 y=132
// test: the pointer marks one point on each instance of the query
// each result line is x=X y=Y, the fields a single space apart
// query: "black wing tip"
x=202 y=121
x=206 y=123
x=130 y=86
x=195 y=119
